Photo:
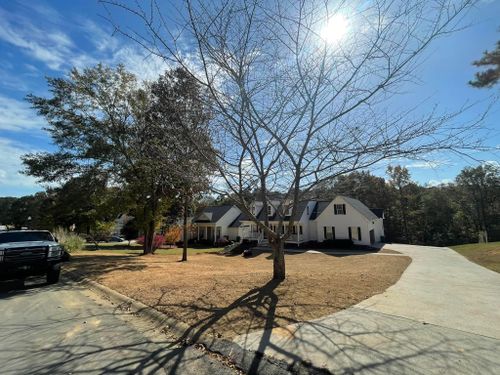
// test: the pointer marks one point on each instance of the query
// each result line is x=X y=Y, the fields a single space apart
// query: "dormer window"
x=307 y=210
x=339 y=209
x=269 y=210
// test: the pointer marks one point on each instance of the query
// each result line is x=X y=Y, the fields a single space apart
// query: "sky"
x=47 y=38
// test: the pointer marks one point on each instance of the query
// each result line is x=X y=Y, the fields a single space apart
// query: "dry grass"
x=485 y=254
x=389 y=251
x=227 y=296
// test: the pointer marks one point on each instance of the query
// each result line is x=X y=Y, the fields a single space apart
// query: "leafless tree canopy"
x=301 y=87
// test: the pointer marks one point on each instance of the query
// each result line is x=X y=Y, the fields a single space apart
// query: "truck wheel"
x=53 y=274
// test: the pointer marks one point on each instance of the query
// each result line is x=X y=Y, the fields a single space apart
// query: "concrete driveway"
x=441 y=317
x=68 y=329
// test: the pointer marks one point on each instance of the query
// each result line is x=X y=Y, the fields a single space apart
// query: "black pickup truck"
x=26 y=253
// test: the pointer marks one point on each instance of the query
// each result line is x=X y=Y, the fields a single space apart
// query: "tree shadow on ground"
x=349 y=341
x=12 y=288
x=45 y=347
x=96 y=265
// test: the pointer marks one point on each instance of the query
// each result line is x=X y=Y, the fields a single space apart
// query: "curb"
x=250 y=362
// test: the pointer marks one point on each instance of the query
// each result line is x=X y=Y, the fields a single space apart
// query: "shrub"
x=158 y=241
x=130 y=231
x=173 y=235
x=221 y=242
x=69 y=240
x=337 y=244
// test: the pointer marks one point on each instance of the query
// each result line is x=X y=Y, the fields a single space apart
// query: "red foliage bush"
x=157 y=242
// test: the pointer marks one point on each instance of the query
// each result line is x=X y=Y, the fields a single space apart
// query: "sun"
x=335 y=29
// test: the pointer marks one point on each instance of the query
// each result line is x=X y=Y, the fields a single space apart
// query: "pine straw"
x=228 y=296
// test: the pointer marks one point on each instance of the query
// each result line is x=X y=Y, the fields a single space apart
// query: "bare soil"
x=228 y=296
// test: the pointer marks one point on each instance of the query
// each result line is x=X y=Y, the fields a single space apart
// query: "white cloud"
x=56 y=49
x=428 y=164
x=113 y=50
x=439 y=182
x=16 y=115
x=51 y=47
x=10 y=176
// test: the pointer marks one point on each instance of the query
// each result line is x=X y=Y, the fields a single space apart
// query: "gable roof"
x=211 y=214
x=275 y=217
x=360 y=207
x=356 y=204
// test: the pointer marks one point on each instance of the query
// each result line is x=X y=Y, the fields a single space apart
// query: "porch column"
x=206 y=233
x=198 y=236
x=297 y=230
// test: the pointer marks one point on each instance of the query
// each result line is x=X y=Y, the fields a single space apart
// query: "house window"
x=329 y=233
x=300 y=230
x=307 y=210
x=294 y=229
x=269 y=210
x=355 y=233
x=339 y=209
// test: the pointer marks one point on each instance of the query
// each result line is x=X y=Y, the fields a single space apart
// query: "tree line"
x=464 y=211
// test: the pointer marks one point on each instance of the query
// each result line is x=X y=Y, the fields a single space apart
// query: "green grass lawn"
x=485 y=254
x=123 y=248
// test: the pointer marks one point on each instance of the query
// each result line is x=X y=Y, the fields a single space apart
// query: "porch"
x=252 y=232
x=208 y=232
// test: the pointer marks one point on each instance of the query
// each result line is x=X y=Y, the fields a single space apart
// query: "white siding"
x=232 y=233
x=352 y=218
x=307 y=225
x=227 y=219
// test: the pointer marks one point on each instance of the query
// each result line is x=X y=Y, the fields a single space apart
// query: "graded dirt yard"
x=228 y=296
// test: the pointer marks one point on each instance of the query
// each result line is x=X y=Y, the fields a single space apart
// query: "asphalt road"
x=68 y=329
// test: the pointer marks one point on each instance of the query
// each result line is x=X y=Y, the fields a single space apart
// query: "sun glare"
x=335 y=29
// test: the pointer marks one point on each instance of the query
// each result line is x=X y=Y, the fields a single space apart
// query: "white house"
x=213 y=223
x=315 y=220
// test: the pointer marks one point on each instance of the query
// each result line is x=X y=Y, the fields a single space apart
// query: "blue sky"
x=47 y=38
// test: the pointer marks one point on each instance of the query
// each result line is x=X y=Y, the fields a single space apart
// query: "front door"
x=372 y=237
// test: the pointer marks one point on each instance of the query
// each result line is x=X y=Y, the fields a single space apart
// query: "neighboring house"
x=120 y=222
x=315 y=220
x=212 y=223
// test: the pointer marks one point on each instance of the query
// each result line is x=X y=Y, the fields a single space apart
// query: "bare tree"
x=301 y=89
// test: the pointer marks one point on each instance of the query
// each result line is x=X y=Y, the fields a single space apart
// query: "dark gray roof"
x=212 y=213
x=318 y=209
x=243 y=217
x=262 y=215
x=360 y=207
x=301 y=207
x=379 y=212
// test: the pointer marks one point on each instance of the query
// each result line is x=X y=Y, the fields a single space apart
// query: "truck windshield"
x=25 y=236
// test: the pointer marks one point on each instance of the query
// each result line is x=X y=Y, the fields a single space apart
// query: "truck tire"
x=53 y=274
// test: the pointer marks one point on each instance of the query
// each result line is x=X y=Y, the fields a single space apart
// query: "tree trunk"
x=149 y=237
x=278 y=260
x=185 y=231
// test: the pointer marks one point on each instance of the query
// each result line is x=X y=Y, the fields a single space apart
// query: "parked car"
x=26 y=253
x=115 y=239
